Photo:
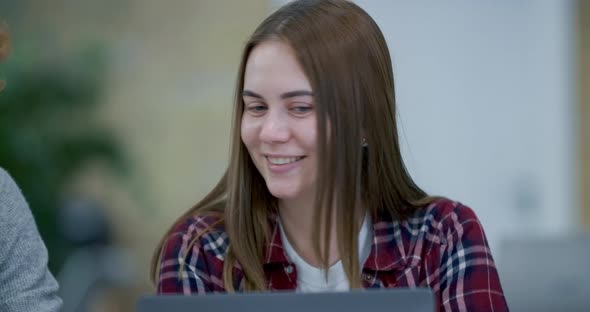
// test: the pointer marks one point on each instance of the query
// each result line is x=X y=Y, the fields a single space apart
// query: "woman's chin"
x=283 y=193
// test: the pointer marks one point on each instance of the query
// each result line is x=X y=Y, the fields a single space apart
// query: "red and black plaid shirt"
x=443 y=247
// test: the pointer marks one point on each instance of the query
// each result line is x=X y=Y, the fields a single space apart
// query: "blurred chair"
x=96 y=264
x=546 y=274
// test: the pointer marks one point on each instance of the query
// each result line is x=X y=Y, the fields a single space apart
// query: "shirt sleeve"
x=26 y=284
x=183 y=267
x=468 y=277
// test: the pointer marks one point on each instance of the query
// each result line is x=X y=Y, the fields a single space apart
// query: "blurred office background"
x=115 y=120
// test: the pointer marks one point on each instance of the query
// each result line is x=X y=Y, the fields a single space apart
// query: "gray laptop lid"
x=397 y=299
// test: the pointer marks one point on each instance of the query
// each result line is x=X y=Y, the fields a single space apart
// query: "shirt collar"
x=387 y=249
x=275 y=252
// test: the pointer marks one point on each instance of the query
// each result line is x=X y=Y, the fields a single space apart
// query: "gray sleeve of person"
x=25 y=281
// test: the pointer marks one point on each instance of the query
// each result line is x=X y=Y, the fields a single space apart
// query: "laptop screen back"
x=399 y=299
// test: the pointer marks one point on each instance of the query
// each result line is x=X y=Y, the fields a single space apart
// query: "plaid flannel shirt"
x=442 y=247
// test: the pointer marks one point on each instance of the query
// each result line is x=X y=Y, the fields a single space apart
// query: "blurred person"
x=316 y=196
x=26 y=284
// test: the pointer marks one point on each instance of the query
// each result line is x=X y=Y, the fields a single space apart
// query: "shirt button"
x=289 y=269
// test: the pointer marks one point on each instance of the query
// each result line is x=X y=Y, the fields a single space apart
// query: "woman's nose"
x=275 y=127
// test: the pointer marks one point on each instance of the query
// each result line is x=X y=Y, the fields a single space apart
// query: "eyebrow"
x=285 y=95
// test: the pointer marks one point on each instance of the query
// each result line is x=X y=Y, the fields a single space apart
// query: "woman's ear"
x=364 y=142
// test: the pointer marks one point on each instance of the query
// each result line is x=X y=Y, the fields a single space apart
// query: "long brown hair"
x=345 y=57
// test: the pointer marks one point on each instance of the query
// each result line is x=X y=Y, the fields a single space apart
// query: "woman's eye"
x=256 y=108
x=301 y=109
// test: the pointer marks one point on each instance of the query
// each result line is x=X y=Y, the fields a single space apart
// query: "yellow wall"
x=169 y=92
x=170 y=95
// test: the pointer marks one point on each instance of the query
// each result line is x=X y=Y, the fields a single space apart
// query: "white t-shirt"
x=312 y=279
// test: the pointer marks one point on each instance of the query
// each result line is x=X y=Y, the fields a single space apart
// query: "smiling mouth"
x=283 y=160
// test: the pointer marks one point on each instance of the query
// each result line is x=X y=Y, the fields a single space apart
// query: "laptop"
x=396 y=299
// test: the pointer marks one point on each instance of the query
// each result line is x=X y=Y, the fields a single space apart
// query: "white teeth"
x=283 y=160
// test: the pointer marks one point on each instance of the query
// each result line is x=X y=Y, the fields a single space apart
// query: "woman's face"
x=279 y=120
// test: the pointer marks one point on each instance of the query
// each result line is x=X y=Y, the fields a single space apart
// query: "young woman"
x=316 y=196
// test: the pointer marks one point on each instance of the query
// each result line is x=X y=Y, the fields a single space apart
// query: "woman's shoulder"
x=192 y=256
x=435 y=222
x=445 y=212
x=460 y=263
x=444 y=216
x=200 y=222
x=440 y=227
x=198 y=231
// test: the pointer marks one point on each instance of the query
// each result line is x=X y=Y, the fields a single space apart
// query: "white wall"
x=486 y=99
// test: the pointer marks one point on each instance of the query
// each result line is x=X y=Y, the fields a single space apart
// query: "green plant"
x=49 y=132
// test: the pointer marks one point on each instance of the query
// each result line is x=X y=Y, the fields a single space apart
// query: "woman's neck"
x=297 y=220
